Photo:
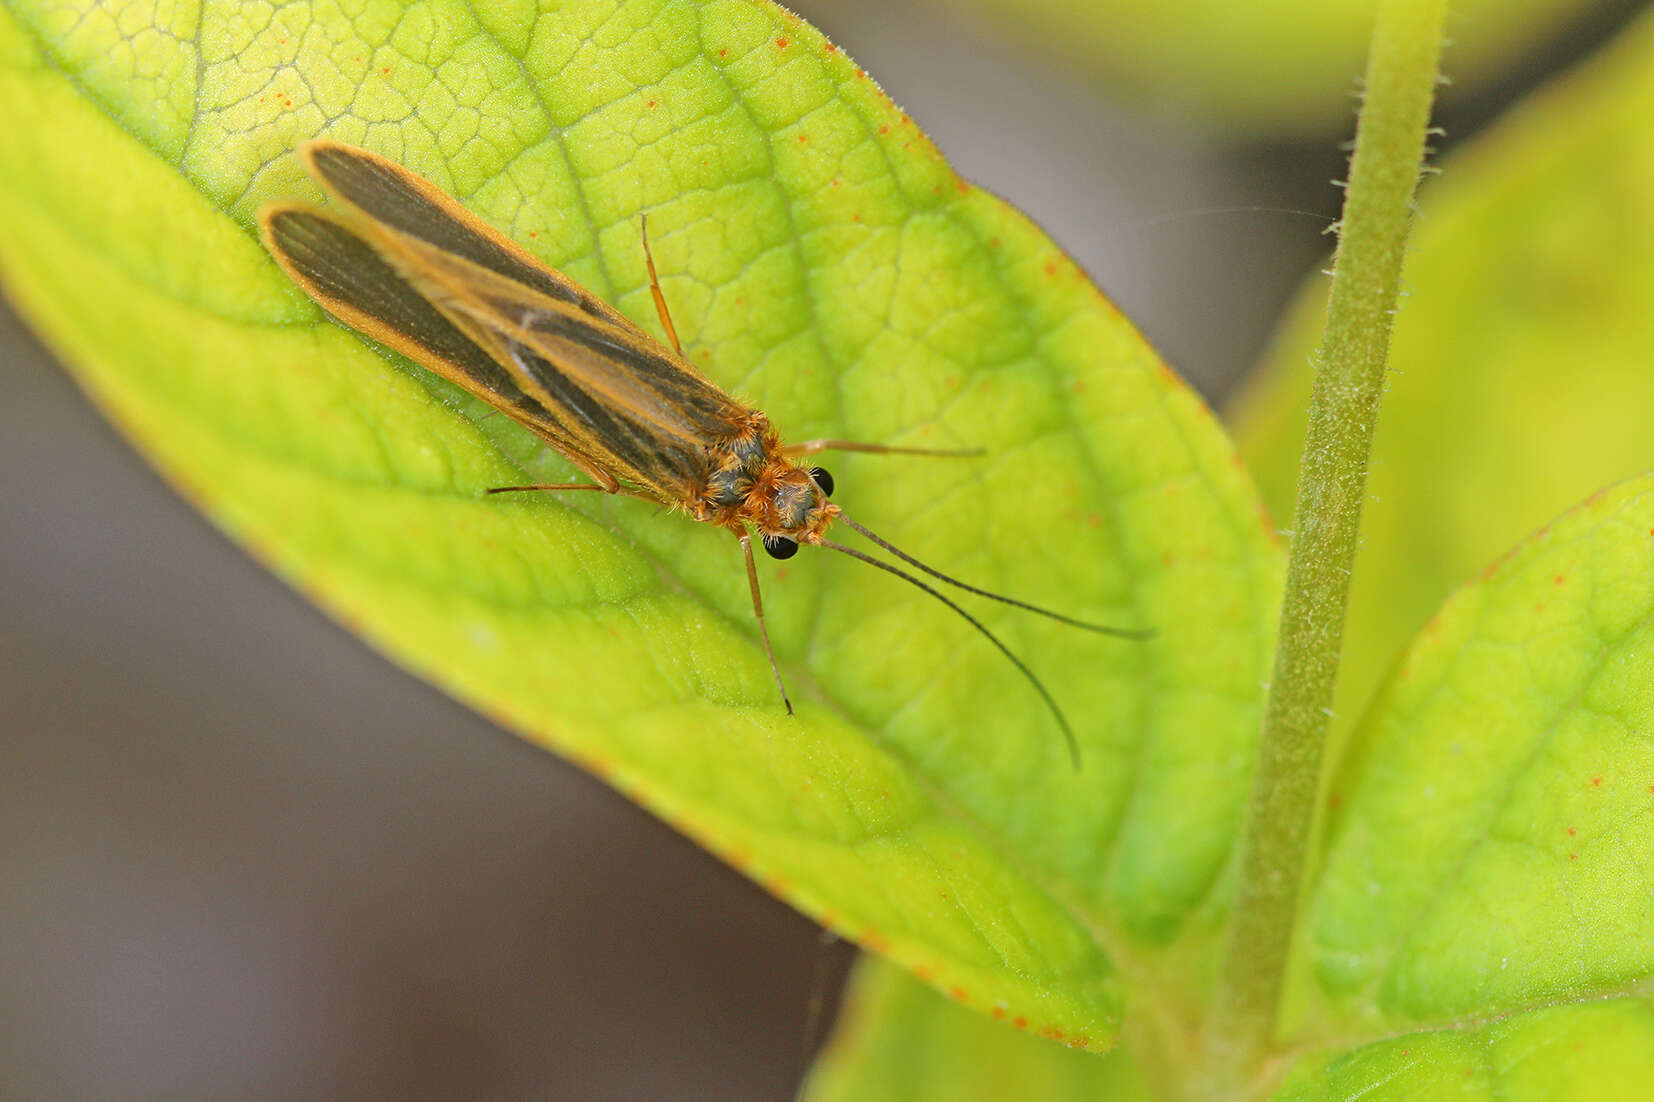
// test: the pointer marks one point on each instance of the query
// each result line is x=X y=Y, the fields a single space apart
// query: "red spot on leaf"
x=781 y=42
x=829 y=47
x=652 y=103
x=958 y=994
x=924 y=972
x=855 y=217
x=1573 y=857
x=386 y=70
x=885 y=129
x=723 y=53
x=1020 y=1023
x=1572 y=832
x=1080 y=1042
x=998 y=1012
x=803 y=137
x=1052 y=1032
x=1596 y=782
x=1557 y=579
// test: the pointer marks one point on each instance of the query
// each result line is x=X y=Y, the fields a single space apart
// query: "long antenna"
x=1101 y=629
x=1039 y=686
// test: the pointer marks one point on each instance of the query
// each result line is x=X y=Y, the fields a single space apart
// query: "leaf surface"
x=1592 y=1052
x=822 y=261
x=1491 y=834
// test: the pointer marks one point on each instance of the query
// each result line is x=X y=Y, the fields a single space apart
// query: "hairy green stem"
x=1400 y=84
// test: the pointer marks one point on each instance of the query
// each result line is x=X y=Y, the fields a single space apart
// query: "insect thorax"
x=753 y=482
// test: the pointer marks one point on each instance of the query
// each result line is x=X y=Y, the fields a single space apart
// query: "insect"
x=408 y=266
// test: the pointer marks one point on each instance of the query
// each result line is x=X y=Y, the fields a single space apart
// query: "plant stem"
x=1400 y=84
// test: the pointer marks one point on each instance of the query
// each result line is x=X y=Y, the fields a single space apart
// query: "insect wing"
x=620 y=399
x=615 y=363
x=340 y=269
x=397 y=199
x=427 y=222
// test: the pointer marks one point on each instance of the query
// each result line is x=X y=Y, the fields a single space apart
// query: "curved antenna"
x=1101 y=629
x=1039 y=686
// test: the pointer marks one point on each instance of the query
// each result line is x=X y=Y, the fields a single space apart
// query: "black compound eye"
x=780 y=547
x=823 y=479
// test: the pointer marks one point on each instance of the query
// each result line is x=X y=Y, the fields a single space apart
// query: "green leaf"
x=1593 y=1052
x=1520 y=357
x=901 y=1041
x=822 y=261
x=1489 y=841
x=1277 y=66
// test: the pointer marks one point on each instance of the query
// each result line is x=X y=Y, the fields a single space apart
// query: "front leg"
x=745 y=537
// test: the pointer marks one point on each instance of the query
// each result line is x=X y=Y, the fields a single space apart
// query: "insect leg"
x=654 y=289
x=551 y=486
x=629 y=491
x=602 y=480
x=810 y=447
x=758 y=611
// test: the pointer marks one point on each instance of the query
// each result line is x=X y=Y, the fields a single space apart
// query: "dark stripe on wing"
x=625 y=367
x=353 y=281
x=340 y=268
x=389 y=193
x=676 y=466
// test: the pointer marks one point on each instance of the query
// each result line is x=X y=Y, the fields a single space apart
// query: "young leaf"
x=1489 y=835
x=1598 y=1051
x=822 y=261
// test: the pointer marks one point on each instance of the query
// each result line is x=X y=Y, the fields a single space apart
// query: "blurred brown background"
x=243 y=857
